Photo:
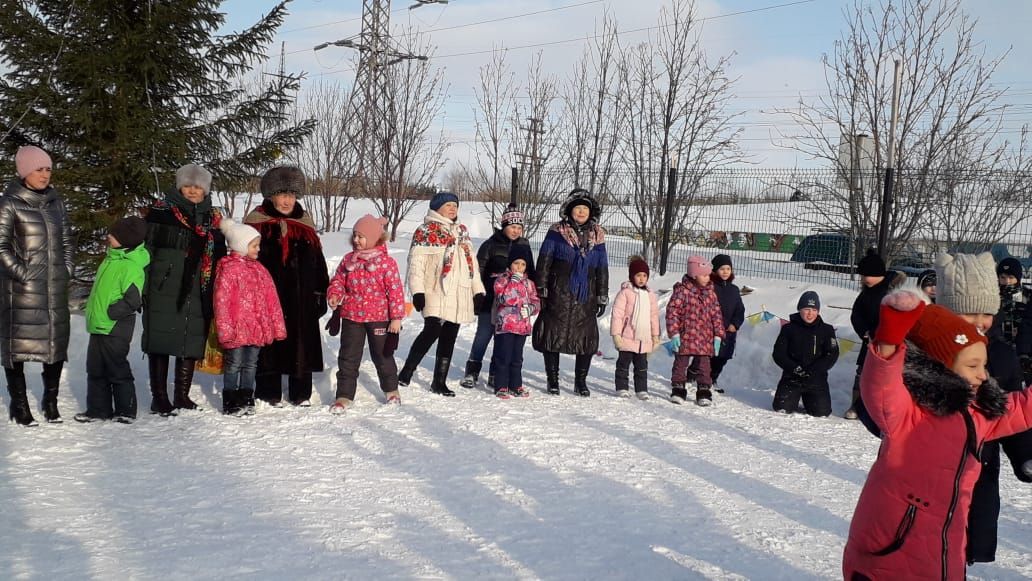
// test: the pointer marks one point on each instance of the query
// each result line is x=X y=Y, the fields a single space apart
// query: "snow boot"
x=678 y=393
x=580 y=382
x=440 y=382
x=51 y=385
x=405 y=375
x=503 y=393
x=469 y=380
x=552 y=377
x=20 y=411
x=183 y=381
x=703 y=396
x=340 y=406
x=642 y=395
x=85 y=418
x=231 y=404
x=246 y=401
x=717 y=388
x=158 y=367
x=851 y=412
x=490 y=380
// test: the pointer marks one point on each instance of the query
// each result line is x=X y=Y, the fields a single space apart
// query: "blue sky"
x=777 y=50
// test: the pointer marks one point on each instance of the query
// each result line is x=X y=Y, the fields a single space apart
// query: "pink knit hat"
x=698 y=266
x=30 y=158
x=371 y=227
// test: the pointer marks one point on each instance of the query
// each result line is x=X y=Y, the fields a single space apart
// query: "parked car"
x=833 y=248
x=998 y=250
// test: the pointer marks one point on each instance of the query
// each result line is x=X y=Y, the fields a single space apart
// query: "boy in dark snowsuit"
x=805 y=350
x=110 y=320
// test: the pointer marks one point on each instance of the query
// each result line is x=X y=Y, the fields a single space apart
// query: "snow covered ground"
x=464 y=488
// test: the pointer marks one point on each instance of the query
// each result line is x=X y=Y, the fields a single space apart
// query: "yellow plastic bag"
x=212 y=360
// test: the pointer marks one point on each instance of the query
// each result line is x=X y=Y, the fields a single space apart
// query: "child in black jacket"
x=805 y=350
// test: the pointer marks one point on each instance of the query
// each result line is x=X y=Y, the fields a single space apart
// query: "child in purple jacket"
x=516 y=301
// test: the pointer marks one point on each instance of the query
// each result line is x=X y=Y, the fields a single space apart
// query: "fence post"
x=514 y=188
x=890 y=170
x=668 y=218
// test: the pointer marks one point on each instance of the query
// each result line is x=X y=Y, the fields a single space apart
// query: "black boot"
x=20 y=411
x=51 y=385
x=246 y=401
x=158 y=368
x=440 y=383
x=552 y=372
x=405 y=375
x=580 y=376
x=231 y=405
x=469 y=380
x=183 y=382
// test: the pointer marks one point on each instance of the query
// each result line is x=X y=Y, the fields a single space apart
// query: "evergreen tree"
x=123 y=93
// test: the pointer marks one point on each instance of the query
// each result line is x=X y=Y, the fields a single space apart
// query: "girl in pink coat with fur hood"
x=936 y=406
x=248 y=315
x=635 y=328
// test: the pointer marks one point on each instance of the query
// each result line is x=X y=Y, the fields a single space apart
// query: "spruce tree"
x=123 y=93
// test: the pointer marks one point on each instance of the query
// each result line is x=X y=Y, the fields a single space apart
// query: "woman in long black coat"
x=35 y=267
x=573 y=283
x=292 y=253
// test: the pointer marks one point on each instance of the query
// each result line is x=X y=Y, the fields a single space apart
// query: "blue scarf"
x=583 y=247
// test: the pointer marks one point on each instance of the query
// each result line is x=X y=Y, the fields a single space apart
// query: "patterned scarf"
x=297 y=226
x=204 y=231
x=200 y=252
x=433 y=233
x=581 y=236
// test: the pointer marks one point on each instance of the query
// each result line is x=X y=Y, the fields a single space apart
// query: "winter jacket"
x=117 y=291
x=493 y=259
x=910 y=521
x=621 y=324
x=1014 y=321
x=866 y=309
x=368 y=286
x=247 y=309
x=443 y=268
x=812 y=346
x=694 y=313
x=35 y=267
x=516 y=301
x=572 y=280
x=180 y=284
x=732 y=309
x=292 y=253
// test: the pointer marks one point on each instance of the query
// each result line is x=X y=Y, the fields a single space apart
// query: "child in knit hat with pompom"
x=248 y=315
x=635 y=328
x=695 y=326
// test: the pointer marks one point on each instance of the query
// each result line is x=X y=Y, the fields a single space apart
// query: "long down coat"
x=35 y=265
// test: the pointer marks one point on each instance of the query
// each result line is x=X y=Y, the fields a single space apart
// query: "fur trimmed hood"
x=942 y=392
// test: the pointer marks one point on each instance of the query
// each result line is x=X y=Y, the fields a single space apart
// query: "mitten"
x=419 y=301
x=899 y=311
x=716 y=346
x=390 y=344
x=618 y=343
x=675 y=343
x=516 y=277
x=525 y=311
x=478 y=301
x=333 y=325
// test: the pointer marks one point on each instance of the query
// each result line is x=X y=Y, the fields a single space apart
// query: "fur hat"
x=371 y=227
x=581 y=197
x=967 y=283
x=1011 y=266
x=442 y=198
x=192 y=174
x=698 y=266
x=942 y=334
x=281 y=179
x=721 y=260
x=871 y=264
x=636 y=264
x=809 y=300
x=238 y=236
x=129 y=232
x=512 y=216
x=30 y=158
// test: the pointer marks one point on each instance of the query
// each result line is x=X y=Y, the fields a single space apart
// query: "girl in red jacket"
x=936 y=406
x=367 y=289
x=516 y=301
x=694 y=323
x=247 y=315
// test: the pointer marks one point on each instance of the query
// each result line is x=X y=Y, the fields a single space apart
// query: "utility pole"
x=890 y=169
x=531 y=156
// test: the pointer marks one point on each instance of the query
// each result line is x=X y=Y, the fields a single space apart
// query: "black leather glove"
x=478 y=302
x=419 y=301
x=601 y=310
x=333 y=325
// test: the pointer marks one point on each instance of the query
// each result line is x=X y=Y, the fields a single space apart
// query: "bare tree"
x=495 y=102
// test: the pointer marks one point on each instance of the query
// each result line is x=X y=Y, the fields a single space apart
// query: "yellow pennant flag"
x=845 y=346
x=755 y=319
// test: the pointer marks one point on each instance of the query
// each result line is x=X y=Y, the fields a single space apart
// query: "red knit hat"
x=942 y=335
x=636 y=264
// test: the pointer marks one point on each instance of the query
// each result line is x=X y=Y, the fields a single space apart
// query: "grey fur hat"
x=967 y=283
x=283 y=178
x=192 y=174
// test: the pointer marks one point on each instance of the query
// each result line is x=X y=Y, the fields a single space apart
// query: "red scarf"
x=291 y=229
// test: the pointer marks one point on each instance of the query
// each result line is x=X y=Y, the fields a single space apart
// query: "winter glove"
x=478 y=302
x=601 y=310
x=390 y=344
x=899 y=311
x=419 y=301
x=516 y=277
x=618 y=343
x=333 y=325
x=800 y=372
x=716 y=345
x=675 y=343
x=525 y=311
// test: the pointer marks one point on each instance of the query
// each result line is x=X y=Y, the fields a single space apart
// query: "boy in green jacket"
x=110 y=320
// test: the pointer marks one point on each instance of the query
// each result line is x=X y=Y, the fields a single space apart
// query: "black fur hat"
x=582 y=197
x=284 y=178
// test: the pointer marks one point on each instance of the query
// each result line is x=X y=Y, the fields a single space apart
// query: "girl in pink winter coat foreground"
x=368 y=291
x=936 y=406
x=247 y=315
x=694 y=323
x=516 y=301
x=635 y=328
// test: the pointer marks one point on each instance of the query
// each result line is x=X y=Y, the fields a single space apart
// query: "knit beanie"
x=698 y=266
x=281 y=180
x=927 y=278
x=371 y=227
x=809 y=300
x=512 y=216
x=1011 y=266
x=871 y=264
x=521 y=252
x=30 y=158
x=721 y=260
x=192 y=174
x=967 y=283
x=442 y=198
x=942 y=334
x=636 y=264
x=238 y=236
x=129 y=232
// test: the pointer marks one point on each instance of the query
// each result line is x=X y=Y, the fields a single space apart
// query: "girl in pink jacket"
x=635 y=328
x=516 y=301
x=368 y=291
x=247 y=315
x=936 y=406
x=694 y=324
